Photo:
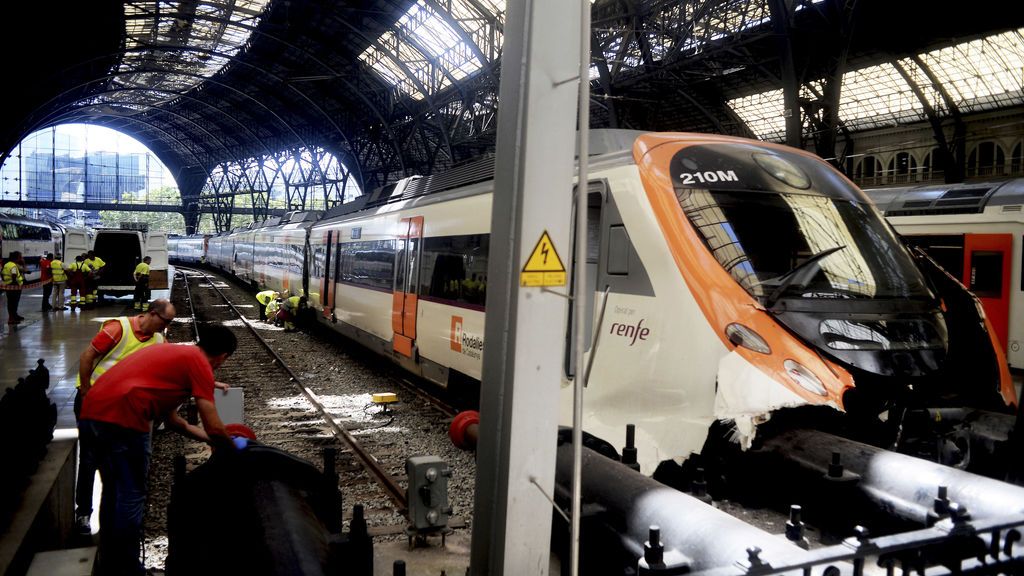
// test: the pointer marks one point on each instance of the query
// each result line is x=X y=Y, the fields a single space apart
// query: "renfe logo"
x=456 y=333
x=631 y=332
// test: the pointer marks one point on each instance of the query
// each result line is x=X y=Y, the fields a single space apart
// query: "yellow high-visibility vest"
x=57 y=268
x=129 y=343
x=12 y=274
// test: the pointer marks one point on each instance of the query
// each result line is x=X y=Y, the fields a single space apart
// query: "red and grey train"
x=748 y=285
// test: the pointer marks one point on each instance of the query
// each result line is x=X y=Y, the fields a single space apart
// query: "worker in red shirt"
x=108 y=347
x=117 y=415
x=46 y=276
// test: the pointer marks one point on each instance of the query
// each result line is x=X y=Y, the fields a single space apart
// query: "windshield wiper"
x=802 y=272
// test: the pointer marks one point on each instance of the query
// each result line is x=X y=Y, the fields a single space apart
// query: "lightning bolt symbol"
x=544 y=251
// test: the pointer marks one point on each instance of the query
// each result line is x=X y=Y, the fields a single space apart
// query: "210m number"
x=709 y=176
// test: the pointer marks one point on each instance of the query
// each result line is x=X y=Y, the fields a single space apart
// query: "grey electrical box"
x=428 y=492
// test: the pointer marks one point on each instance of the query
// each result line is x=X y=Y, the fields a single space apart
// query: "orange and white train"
x=745 y=282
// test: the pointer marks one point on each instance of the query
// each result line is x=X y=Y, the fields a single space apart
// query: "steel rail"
x=191 y=304
x=370 y=463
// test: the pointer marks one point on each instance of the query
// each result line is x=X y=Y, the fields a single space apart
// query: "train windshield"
x=786 y=245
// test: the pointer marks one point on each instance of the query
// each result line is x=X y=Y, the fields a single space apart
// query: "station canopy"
x=399 y=87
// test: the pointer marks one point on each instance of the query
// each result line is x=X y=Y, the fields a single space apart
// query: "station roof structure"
x=401 y=87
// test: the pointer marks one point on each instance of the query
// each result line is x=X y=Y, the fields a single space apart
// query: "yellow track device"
x=385 y=398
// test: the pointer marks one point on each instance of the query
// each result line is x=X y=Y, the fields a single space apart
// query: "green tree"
x=158 y=221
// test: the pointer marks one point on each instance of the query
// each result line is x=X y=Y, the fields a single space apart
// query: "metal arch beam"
x=485 y=63
x=193 y=75
x=173 y=138
x=186 y=96
x=702 y=11
x=843 y=11
x=948 y=154
x=401 y=64
x=241 y=62
x=707 y=113
x=36 y=125
x=604 y=78
x=180 y=144
x=958 y=148
x=307 y=54
x=72 y=113
x=191 y=122
x=781 y=17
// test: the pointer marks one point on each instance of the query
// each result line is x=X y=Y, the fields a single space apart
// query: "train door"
x=327 y=287
x=407 y=279
x=987 y=260
x=613 y=267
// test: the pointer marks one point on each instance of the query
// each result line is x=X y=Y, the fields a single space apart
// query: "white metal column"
x=525 y=333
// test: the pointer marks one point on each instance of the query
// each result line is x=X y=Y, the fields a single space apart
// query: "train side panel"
x=242 y=256
x=279 y=258
x=989 y=281
x=657 y=359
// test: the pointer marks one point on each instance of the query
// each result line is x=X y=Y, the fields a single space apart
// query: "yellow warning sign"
x=543 y=267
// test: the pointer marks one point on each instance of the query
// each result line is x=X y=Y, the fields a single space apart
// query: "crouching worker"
x=263 y=300
x=271 y=312
x=289 y=311
x=117 y=415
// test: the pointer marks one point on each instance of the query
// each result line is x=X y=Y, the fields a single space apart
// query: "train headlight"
x=804 y=377
x=783 y=170
x=740 y=335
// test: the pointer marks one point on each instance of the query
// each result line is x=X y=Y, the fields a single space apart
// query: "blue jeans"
x=122 y=456
x=86 y=467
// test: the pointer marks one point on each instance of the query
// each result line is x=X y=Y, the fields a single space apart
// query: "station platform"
x=58 y=338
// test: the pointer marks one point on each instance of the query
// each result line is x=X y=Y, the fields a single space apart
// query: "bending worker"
x=289 y=311
x=141 y=277
x=117 y=339
x=92 y=277
x=264 y=298
x=117 y=416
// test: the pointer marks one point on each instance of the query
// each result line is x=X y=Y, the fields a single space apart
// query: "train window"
x=370 y=264
x=761 y=239
x=454 y=268
x=13 y=231
x=987 y=274
x=618 y=250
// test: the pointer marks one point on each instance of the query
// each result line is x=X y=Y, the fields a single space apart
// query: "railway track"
x=305 y=395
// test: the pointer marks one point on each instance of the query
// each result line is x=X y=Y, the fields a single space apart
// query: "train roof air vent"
x=922 y=202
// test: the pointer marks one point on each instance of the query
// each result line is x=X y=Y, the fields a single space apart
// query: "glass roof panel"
x=762 y=113
x=428 y=50
x=978 y=75
x=174 y=45
x=981 y=74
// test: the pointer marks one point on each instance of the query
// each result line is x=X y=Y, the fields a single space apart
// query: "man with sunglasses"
x=117 y=339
